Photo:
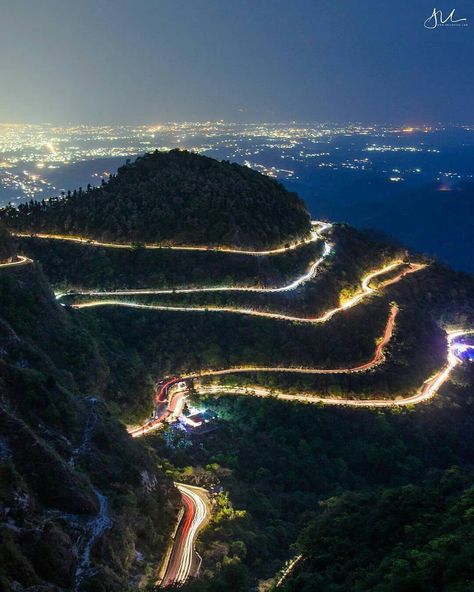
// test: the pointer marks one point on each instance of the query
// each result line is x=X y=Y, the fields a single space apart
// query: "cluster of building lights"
x=26 y=184
x=29 y=152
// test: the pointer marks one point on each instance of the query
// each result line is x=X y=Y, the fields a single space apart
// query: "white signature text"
x=437 y=20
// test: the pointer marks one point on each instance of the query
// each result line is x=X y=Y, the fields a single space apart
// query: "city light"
x=277 y=150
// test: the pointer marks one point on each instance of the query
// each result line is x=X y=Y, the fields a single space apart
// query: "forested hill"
x=174 y=197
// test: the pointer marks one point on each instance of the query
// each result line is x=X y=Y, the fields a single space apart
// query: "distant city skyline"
x=159 y=61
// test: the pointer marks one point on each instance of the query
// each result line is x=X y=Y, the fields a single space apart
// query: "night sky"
x=147 y=61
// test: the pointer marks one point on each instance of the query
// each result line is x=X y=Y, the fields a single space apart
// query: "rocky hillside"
x=82 y=506
x=175 y=197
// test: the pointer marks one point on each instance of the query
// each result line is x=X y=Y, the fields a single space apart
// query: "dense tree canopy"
x=409 y=539
x=174 y=197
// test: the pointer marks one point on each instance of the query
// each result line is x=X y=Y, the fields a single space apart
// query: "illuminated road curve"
x=308 y=275
x=175 y=397
x=313 y=236
x=363 y=293
x=20 y=261
x=183 y=561
x=376 y=359
x=427 y=391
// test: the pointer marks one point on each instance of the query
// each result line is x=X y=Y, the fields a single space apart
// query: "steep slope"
x=408 y=538
x=81 y=505
x=175 y=198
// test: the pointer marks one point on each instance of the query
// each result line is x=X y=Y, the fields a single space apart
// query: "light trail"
x=429 y=388
x=175 y=401
x=376 y=359
x=20 y=261
x=182 y=559
x=364 y=292
x=313 y=236
x=308 y=275
x=175 y=398
x=427 y=391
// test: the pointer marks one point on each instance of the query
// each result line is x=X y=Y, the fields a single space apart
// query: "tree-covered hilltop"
x=174 y=197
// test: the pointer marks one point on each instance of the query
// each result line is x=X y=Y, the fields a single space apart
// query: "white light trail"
x=20 y=260
x=313 y=237
x=181 y=559
x=176 y=397
x=310 y=274
x=427 y=391
x=365 y=291
x=288 y=569
x=200 y=515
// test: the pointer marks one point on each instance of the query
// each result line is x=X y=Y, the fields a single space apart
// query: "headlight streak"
x=313 y=236
x=175 y=398
x=288 y=569
x=310 y=274
x=196 y=511
x=365 y=291
x=175 y=402
x=427 y=391
x=21 y=260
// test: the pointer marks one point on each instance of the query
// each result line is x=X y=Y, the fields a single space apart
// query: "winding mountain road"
x=427 y=391
x=182 y=561
x=20 y=260
x=113 y=245
x=365 y=291
x=174 y=400
x=172 y=393
x=318 y=229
